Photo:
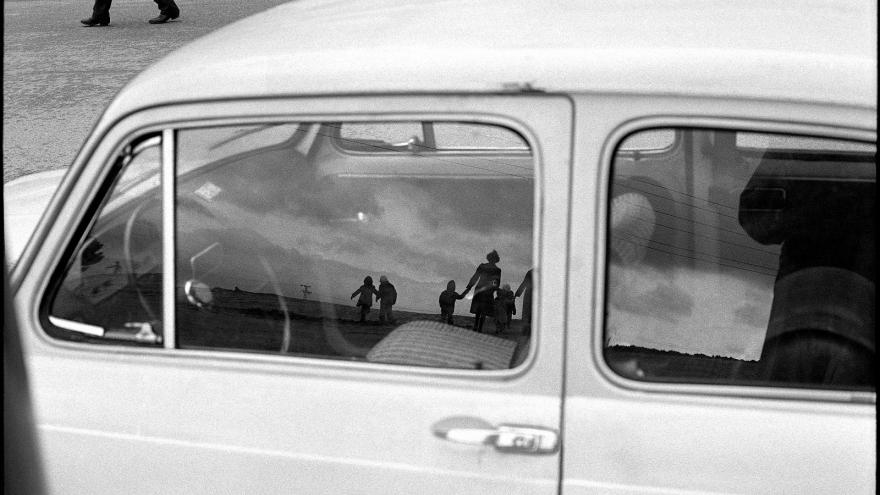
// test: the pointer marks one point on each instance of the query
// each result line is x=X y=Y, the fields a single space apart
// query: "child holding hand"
x=365 y=301
x=447 y=301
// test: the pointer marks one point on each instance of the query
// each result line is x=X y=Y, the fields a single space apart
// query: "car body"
x=605 y=151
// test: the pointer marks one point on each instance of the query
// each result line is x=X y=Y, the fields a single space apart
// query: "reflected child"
x=447 y=301
x=505 y=308
x=365 y=301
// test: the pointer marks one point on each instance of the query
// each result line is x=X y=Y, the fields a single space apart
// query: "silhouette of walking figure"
x=447 y=301
x=387 y=298
x=365 y=301
x=504 y=308
x=486 y=278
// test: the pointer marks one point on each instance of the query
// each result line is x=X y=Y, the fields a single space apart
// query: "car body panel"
x=574 y=78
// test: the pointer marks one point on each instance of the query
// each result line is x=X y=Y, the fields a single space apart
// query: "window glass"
x=380 y=136
x=221 y=142
x=468 y=136
x=305 y=249
x=425 y=137
x=652 y=140
x=744 y=266
x=763 y=142
x=111 y=289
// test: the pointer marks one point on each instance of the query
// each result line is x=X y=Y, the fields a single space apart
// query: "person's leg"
x=478 y=324
x=101 y=10
x=168 y=7
x=100 y=14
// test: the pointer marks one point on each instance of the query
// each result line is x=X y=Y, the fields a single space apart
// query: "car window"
x=650 y=141
x=222 y=142
x=744 y=258
x=381 y=136
x=467 y=136
x=285 y=244
x=428 y=137
x=111 y=287
x=391 y=259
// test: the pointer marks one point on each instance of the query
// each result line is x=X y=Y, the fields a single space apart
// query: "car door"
x=187 y=314
x=733 y=350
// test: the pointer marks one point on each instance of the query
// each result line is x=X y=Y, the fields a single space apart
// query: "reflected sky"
x=331 y=231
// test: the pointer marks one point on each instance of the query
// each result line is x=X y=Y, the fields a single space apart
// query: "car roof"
x=814 y=50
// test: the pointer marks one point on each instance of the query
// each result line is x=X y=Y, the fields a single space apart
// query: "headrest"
x=632 y=225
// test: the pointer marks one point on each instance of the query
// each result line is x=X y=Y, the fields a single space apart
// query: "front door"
x=324 y=296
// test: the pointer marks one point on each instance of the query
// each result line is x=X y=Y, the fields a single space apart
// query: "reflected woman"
x=487 y=278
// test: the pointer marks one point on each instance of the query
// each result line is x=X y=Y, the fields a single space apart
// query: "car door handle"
x=520 y=439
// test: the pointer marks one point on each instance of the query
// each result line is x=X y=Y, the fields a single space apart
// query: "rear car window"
x=428 y=137
x=744 y=258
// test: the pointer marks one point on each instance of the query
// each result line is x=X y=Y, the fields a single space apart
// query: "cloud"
x=420 y=233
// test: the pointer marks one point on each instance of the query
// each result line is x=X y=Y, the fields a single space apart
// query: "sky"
x=331 y=231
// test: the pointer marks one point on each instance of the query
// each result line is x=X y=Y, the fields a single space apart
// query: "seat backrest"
x=821 y=329
x=817 y=357
x=831 y=299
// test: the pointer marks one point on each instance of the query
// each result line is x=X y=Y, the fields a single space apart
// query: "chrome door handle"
x=505 y=438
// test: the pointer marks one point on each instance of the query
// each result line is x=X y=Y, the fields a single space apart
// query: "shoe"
x=163 y=18
x=91 y=21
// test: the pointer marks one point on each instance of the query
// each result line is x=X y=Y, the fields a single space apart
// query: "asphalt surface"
x=58 y=75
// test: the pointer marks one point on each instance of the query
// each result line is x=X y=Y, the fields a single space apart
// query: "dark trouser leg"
x=478 y=321
x=168 y=7
x=101 y=10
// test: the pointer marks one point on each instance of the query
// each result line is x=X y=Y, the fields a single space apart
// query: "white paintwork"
x=747 y=49
x=186 y=422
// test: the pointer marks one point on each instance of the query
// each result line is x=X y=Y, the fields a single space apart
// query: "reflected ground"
x=259 y=323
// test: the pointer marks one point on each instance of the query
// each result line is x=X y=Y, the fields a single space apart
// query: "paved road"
x=59 y=75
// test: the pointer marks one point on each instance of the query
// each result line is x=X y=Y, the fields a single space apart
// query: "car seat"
x=821 y=329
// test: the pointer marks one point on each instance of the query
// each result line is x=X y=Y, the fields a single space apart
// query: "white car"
x=468 y=248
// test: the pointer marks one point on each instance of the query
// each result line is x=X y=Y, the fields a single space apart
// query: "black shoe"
x=91 y=21
x=163 y=18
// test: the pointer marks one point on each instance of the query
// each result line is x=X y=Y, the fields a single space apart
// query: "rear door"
x=730 y=253
x=200 y=316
